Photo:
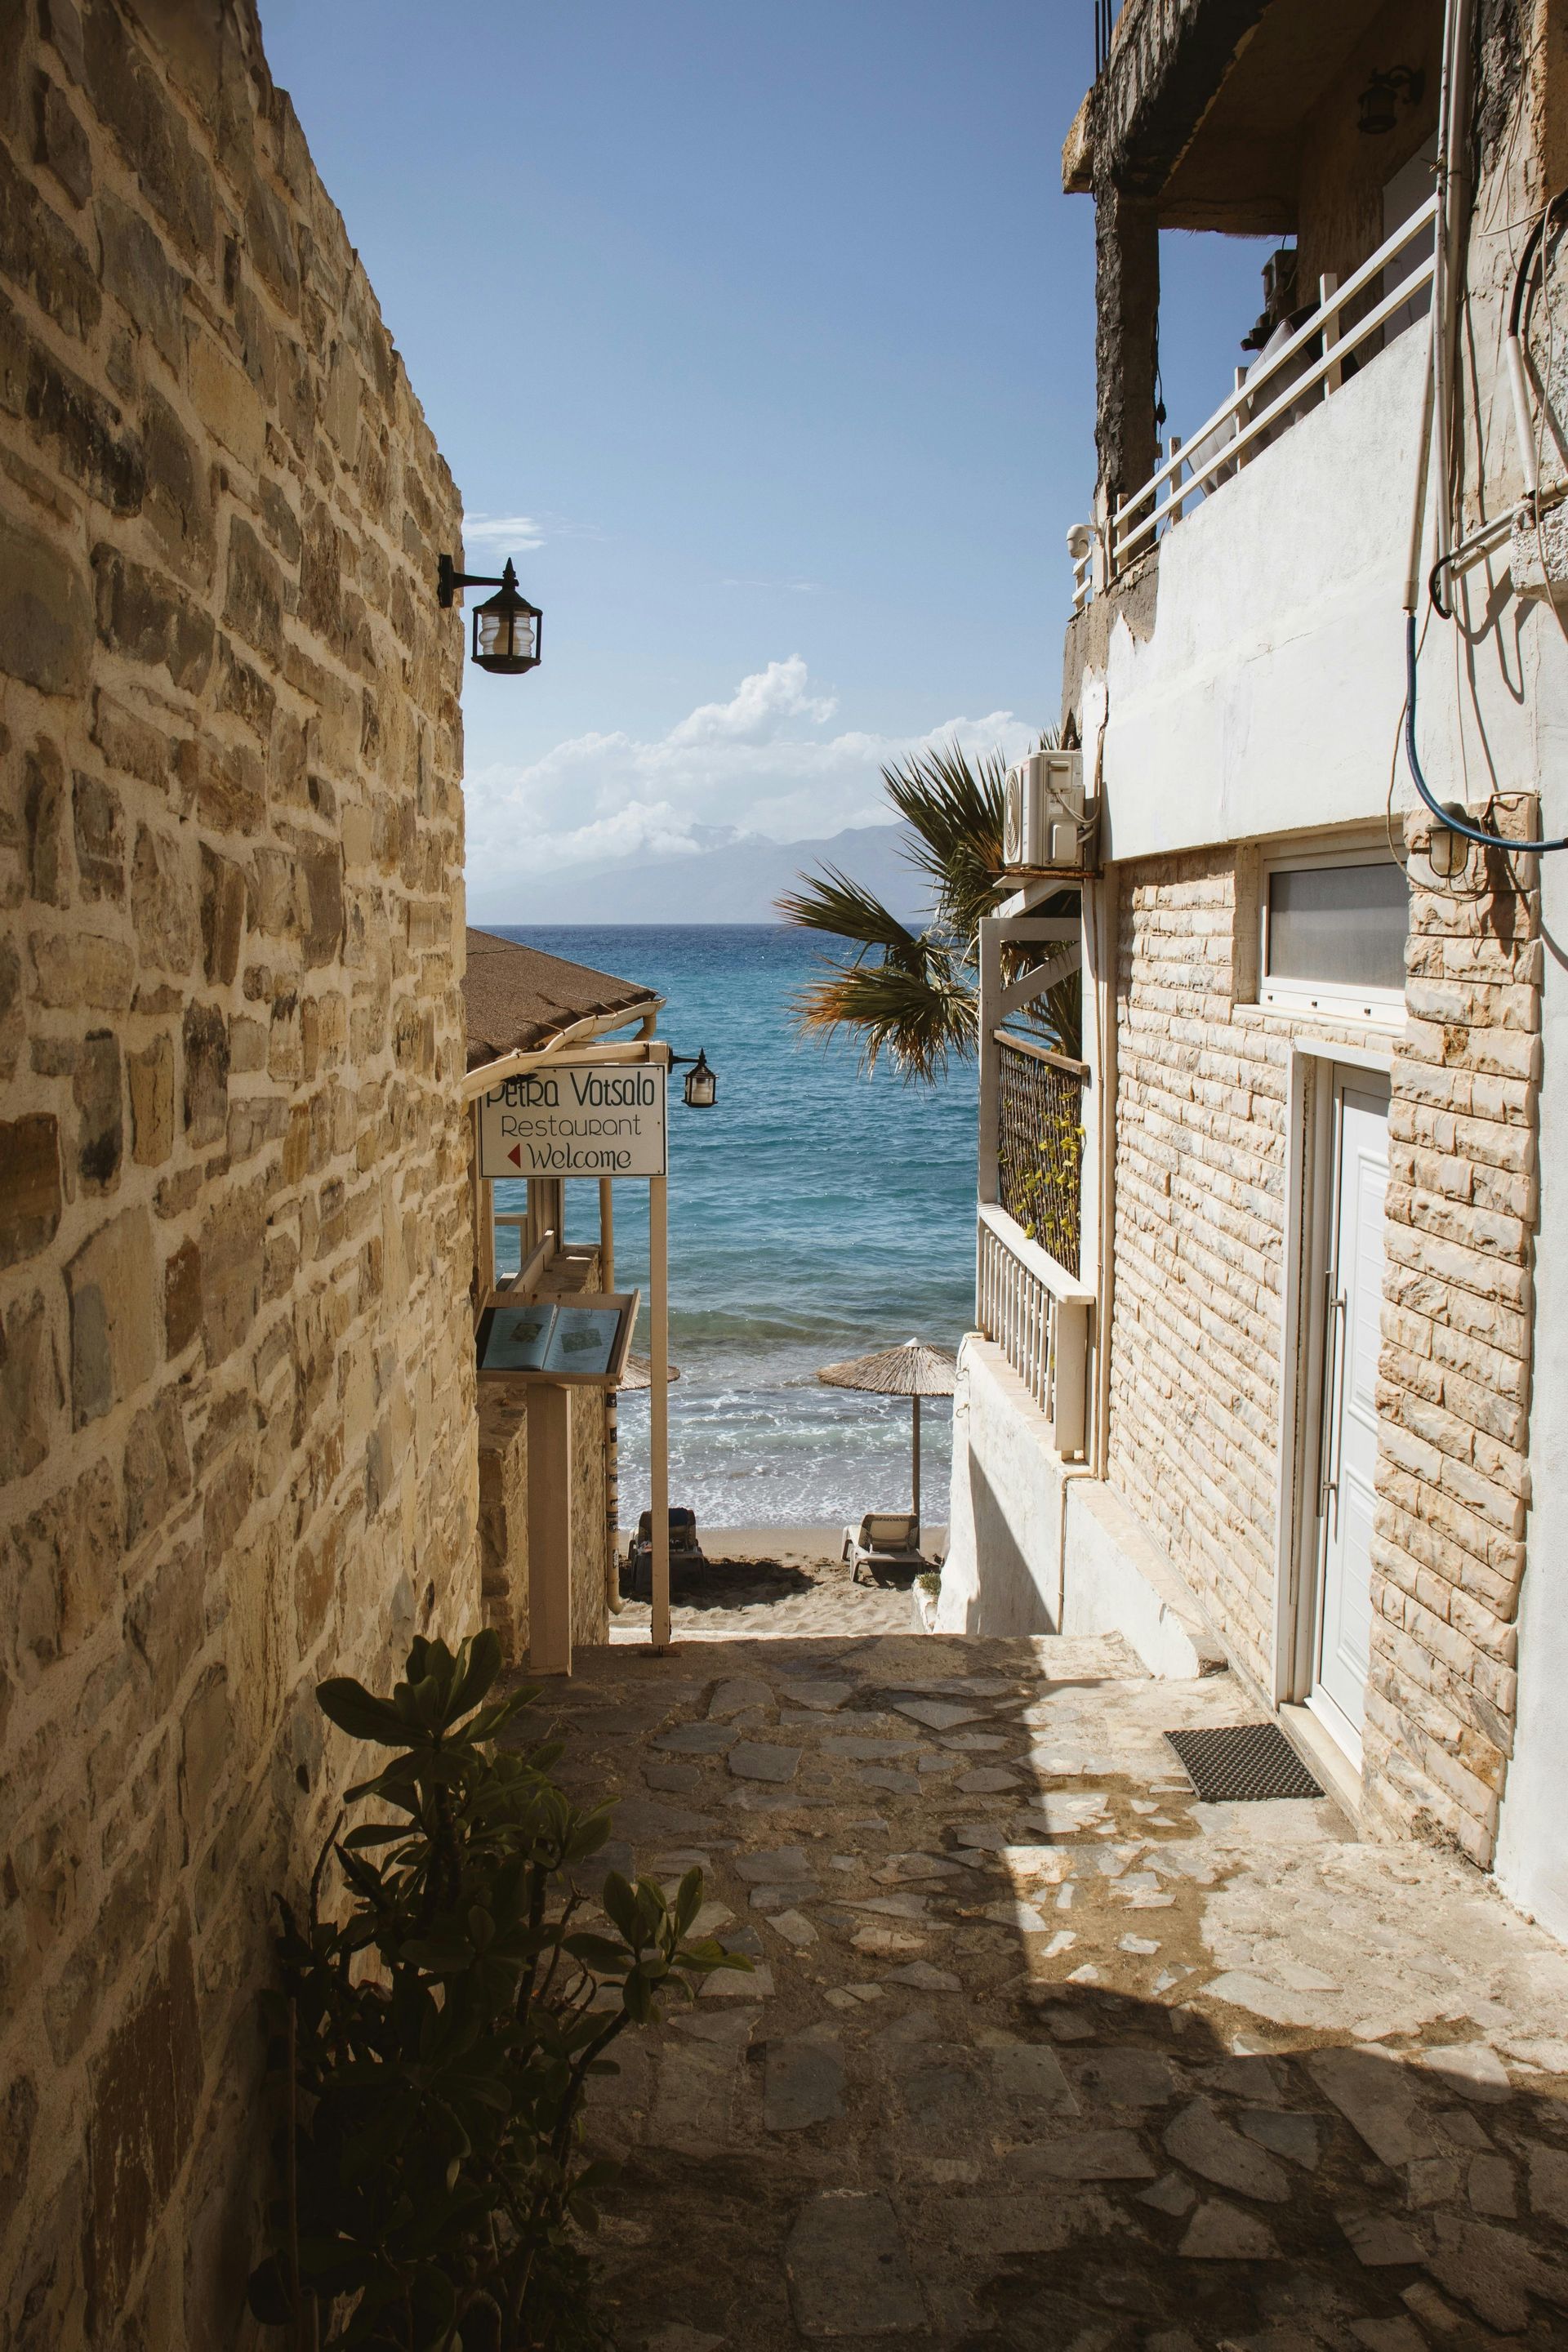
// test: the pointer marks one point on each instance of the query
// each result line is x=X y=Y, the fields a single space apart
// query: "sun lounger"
x=684 y=1549
x=884 y=1538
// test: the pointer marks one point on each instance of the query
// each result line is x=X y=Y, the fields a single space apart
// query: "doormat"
x=1242 y=1763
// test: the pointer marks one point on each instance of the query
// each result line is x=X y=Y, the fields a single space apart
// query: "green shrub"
x=435 y=2042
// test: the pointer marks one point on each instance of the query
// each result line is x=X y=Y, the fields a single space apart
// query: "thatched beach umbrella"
x=639 y=1374
x=913 y=1370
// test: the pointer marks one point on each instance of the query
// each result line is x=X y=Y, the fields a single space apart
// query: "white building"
x=1282 y=1378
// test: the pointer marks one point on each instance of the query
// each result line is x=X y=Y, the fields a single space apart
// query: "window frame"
x=1379 y=1008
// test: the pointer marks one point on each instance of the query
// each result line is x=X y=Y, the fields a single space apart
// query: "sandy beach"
x=778 y=1583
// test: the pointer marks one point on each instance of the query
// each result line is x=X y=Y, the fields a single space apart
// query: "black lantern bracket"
x=702 y=1083
x=507 y=627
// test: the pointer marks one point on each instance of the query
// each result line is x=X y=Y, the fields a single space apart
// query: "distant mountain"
x=736 y=882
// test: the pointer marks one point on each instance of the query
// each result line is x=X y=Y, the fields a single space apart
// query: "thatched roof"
x=516 y=996
x=914 y=1370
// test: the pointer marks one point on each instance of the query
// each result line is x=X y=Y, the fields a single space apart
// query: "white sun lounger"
x=884 y=1538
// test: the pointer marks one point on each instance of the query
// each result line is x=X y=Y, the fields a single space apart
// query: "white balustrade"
x=1038 y=1315
x=1270 y=395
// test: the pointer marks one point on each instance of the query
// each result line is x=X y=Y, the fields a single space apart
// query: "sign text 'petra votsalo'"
x=576 y=1119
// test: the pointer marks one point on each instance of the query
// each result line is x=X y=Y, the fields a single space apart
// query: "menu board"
x=517 y=1338
x=585 y=1338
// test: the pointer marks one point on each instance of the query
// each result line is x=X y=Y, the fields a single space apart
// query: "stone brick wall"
x=1201 y=1137
x=1454 y=1393
x=236 y=1409
x=1196 y=1345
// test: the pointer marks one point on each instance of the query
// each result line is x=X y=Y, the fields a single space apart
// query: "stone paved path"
x=1040 y=2053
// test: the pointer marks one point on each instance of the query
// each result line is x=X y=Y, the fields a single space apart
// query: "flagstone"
x=942 y=1714
x=751 y=1760
x=849 y=2270
x=1224 y=2233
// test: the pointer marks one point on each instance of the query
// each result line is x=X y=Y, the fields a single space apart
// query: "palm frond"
x=910 y=995
x=831 y=901
x=917 y=1012
x=955 y=812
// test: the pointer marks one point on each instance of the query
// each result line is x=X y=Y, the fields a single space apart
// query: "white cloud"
x=761 y=763
x=788 y=587
x=518 y=534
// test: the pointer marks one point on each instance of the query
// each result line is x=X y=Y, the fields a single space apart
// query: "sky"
x=762 y=339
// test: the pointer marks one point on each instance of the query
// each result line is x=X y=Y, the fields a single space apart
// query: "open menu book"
x=544 y=1338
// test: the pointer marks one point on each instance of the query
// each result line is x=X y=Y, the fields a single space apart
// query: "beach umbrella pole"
x=916 y=1403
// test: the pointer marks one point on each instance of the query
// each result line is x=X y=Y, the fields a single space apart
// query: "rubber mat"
x=1242 y=1763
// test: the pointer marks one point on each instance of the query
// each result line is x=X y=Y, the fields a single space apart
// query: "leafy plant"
x=913 y=996
x=435 y=2042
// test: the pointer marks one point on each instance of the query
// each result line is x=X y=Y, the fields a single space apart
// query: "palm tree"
x=914 y=995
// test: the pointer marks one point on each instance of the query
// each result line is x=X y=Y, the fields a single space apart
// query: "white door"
x=1354 y=1294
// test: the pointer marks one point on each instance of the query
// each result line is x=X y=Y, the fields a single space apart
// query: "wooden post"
x=484 y=1223
x=1328 y=287
x=916 y=1403
x=612 y=1408
x=658 y=1401
x=549 y=1530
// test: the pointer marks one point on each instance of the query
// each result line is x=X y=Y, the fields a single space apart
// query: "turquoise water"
x=813 y=1215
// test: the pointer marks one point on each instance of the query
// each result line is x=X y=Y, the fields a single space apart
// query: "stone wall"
x=1453 y=1392
x=236 y=1412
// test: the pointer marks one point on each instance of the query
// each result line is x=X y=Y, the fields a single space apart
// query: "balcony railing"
x=1037 y=1250
x=1351 y=322
x=1038 y=1315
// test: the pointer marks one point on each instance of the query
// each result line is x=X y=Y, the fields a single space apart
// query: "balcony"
x=1350 y=326
x=1036 y=1252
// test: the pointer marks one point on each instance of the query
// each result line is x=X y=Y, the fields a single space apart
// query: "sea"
x=815 y=1214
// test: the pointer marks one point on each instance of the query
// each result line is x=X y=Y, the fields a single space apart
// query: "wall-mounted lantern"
x=506 y=626
x=1379 y=102
x=701 y=1084
x=1448 y=852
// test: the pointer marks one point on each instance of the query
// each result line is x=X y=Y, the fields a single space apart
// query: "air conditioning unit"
x=1045 y=820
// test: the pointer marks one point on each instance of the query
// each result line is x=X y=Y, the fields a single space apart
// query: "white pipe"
x=1446 y=292
x=1437 y=403
x=1524 y=423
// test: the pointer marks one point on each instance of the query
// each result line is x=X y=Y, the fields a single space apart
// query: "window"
x=1334 y=928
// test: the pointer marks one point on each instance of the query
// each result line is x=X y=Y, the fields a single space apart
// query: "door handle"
x=1333 y=1405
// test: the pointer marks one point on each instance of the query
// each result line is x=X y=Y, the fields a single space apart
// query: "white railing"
x=1314 y=356
x=1038 y=1315
x=1082 y=579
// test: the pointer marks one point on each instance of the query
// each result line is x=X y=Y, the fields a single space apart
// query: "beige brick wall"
x=236 y=1412
x=1201 y=1134
x=1454 y=1392
x=1197 y=1340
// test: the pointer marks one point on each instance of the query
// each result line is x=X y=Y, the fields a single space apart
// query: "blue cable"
x=1466 y=831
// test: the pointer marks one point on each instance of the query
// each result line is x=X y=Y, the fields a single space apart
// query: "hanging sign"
x=583 y=1118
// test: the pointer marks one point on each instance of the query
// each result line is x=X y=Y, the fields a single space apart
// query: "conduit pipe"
x=1438 y=404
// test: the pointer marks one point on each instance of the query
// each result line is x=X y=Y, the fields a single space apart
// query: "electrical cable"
x=1436 y=423
x=1466 y=831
